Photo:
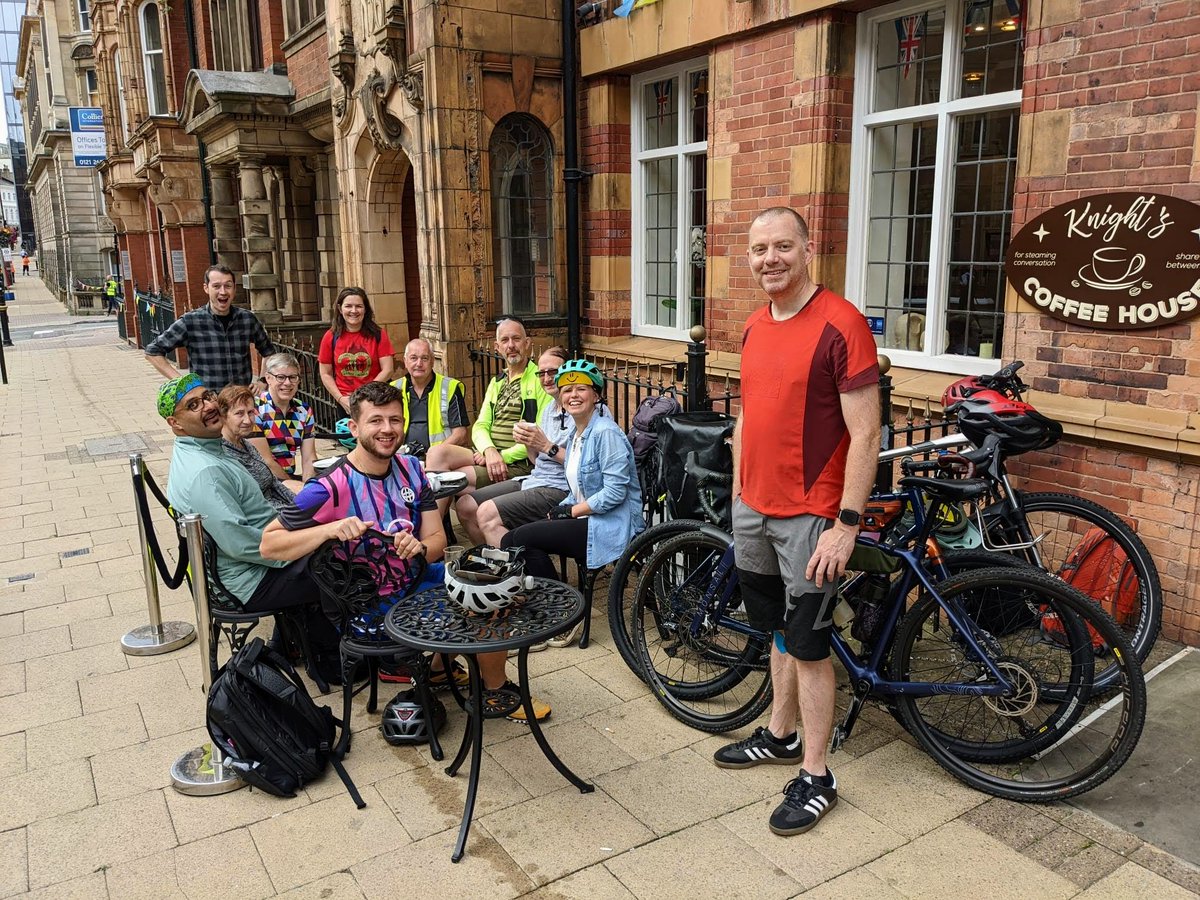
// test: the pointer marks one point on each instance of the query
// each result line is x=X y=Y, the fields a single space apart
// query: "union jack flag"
x=909 y=31
x=662 y=97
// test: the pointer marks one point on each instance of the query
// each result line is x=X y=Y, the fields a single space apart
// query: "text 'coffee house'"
x=1114 y=261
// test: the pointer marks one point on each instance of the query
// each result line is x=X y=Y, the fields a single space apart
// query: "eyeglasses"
x=196 y=402
x=547 y=373
x=286 y=379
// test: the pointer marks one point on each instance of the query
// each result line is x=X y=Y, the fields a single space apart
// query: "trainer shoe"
x=761 y=747
x=394 y=673
x=541 y=709
x=805 y=802
x=438 y=680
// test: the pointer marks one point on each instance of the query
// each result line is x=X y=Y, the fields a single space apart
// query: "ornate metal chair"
x=346 y=576
x=229 y=617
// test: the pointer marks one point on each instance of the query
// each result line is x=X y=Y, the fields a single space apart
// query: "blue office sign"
x=88 y=143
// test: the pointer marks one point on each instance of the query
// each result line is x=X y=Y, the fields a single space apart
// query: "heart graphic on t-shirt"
x=355 y=365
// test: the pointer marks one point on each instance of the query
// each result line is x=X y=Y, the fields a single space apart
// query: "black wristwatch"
x=849 y=517
x=553 y=451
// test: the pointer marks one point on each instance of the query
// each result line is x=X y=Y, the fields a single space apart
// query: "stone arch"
x=388 y=243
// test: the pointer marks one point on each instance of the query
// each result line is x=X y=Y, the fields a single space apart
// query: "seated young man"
x=371 y=487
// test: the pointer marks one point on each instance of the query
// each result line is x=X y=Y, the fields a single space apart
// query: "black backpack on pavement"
x=261 y=717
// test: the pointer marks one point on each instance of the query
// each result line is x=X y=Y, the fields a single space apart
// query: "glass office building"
x=11 y=12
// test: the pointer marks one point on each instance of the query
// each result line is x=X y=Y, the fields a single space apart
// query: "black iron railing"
x=628 y=383
x=155 y=314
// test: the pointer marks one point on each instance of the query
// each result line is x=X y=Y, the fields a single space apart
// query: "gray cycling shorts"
x=781 y=547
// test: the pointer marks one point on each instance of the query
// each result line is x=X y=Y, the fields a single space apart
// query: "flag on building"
x=909 y=31
x=628 y=6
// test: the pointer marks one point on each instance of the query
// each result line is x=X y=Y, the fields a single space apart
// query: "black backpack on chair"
x=261 y=717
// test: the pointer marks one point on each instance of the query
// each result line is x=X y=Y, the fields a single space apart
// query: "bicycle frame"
x=866 y=677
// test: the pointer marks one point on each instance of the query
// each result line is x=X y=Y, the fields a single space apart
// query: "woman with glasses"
x=355 y=350
x=285 y=429
x=238 y=414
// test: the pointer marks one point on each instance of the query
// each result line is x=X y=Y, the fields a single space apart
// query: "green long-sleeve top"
x=202 y=479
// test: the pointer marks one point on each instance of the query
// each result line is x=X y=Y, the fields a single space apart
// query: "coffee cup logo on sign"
x=1113 y=261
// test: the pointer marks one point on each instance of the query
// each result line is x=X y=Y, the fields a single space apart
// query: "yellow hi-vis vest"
x=443 y=389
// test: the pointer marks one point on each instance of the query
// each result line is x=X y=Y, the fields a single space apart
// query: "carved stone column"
x=227 y=227
x=329 y=257
x=260 y=279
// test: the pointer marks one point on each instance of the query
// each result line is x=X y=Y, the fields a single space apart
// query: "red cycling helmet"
x=1021 y=427
x=961 y=390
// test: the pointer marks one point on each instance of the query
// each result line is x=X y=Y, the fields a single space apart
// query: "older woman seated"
x=603 y=511
x=237 y=405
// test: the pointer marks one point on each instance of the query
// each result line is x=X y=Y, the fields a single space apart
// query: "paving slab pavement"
x=87 y=735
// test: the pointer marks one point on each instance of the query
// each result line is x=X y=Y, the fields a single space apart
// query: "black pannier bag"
x=691 y=446
x=272 y=733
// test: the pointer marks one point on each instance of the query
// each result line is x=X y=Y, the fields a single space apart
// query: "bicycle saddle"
x=957 y=489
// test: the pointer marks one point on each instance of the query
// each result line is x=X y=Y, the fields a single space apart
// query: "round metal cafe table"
x=430 y=622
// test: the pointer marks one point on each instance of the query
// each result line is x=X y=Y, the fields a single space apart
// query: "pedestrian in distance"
x=804 y=461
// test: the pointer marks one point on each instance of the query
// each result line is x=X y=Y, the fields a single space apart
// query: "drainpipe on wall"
x=572 y=175
x=205 y=195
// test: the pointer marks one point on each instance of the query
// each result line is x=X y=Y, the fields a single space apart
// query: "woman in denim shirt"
x=603 y=511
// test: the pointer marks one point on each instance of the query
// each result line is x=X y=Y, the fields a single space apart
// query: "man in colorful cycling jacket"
x=804 y=451
x=372 y=487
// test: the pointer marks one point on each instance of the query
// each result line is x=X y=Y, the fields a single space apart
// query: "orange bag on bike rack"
x=1099 y=568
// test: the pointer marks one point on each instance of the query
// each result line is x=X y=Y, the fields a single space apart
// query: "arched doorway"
x=391 y=273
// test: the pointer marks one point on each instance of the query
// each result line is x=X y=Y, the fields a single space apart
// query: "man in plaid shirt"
x=217 y=337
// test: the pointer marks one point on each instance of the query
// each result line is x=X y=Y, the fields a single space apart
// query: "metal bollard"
x=158 y=636
x=201 y=771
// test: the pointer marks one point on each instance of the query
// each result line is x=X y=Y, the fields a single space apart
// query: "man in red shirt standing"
x=804 y=457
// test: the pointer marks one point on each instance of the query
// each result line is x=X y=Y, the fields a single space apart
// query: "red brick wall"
x=767 y=113
x=604 y=148
x=1127 y=75
x=308 y=67
x=270 y=18
x=193 y=240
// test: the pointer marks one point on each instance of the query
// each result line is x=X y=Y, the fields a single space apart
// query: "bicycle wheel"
x=698 y=655
x=626 y=573
x=1054 y=735
x=1066 y=521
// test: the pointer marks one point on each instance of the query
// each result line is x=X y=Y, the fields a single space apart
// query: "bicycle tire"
x=1056 y=736
x=628 y=568
x=710 y=677
x=1059 y=515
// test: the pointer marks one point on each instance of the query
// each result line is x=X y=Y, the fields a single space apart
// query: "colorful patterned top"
x=394 y=502
x=284 y=430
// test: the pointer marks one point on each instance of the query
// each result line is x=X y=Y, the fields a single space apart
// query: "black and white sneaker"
x=761 y=747
x=806 y=800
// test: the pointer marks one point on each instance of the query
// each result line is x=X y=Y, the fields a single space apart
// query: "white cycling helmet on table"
x=486 y=579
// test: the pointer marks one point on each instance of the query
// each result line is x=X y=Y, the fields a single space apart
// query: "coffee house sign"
x=1111 y=261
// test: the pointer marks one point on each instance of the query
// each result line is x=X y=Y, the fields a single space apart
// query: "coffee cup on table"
x=453 y=553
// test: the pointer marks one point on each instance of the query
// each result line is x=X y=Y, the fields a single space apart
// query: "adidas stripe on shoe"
x=805 y=803
x=760 y=748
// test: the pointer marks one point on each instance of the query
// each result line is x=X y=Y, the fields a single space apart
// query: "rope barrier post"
x=201 y=771
x=159 y=636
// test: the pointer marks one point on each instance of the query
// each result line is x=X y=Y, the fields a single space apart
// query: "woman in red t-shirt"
x=355 y=350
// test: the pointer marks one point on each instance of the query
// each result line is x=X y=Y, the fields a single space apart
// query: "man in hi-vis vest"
x=435 y=406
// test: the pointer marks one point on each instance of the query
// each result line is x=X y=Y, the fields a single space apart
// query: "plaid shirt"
x=218 y=352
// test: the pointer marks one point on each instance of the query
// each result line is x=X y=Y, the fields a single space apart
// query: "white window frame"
x=83 y=8
x=947 y=113
x=147 y=73
x=122 y=116
x=681 y=151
